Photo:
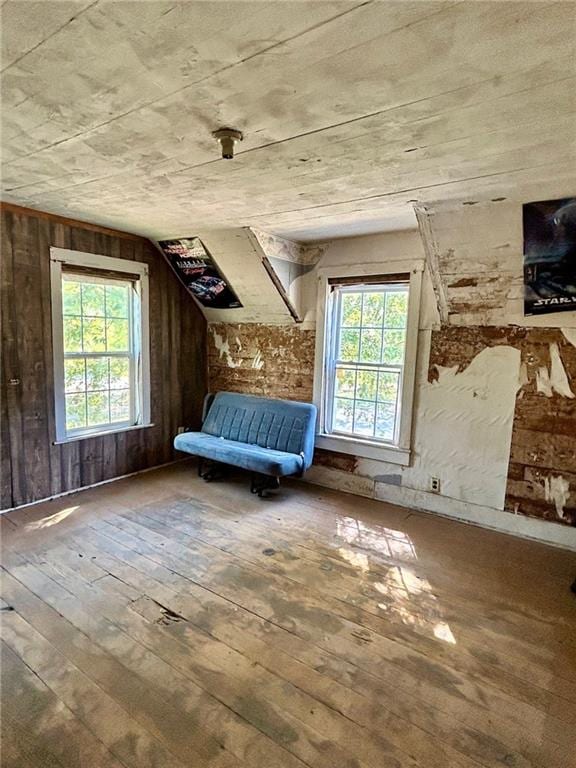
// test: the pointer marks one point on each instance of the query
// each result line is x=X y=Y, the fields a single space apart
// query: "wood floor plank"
x=398 y=542
x=509 y=671
x=46 y=726
x=163 y=621
x=277 y=707
x=131 y=743
x=219 y=723
x=326 y=610
x=169 y=724
x=20 y=749
x=472 y=718
x=431 y=752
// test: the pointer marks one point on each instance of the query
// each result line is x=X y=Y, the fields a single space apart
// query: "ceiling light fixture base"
x=227 y=138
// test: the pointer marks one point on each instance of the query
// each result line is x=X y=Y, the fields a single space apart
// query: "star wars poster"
x=195 y=267
x=549 y=256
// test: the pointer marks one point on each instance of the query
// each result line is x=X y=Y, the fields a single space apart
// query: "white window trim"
x=59 y=257
x=394 y=452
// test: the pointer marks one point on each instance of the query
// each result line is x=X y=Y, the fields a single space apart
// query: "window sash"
x=132 y=389
x=91 y=277
x=334 y=363
x=89 y=268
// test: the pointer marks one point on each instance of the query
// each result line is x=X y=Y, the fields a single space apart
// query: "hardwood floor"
x=161 y=622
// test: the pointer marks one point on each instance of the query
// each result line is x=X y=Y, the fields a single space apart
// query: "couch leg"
x=262 y=484
x=210 y=470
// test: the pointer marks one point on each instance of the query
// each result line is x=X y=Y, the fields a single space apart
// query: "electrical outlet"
x=181 y=429
x=435 y=484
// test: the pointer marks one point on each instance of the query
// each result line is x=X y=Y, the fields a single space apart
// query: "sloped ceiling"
x=352 y=111
x=239 y=257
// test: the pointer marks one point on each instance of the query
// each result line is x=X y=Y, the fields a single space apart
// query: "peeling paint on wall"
x=494 y=408
x=558 y=378
x=223 y=347
x=276 y=361
x=543 y=383
x=523 y=377
x=463 y=428
x=332 y=460
x=557 y=491
x=258 y=363
x=570 y=335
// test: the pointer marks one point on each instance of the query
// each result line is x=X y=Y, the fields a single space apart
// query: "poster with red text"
x=196 y=269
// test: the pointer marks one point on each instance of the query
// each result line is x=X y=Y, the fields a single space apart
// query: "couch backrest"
x=283 y=425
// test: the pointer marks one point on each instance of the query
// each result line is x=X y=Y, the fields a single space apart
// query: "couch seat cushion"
x=246 y=455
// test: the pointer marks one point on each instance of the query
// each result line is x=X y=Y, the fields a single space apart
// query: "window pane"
x=71 y=298
x=364 y=418
x=373 y=309
x=97 y=373
x=92 y=300
x=349 y=342
x=366 y=385
x=396 y=309
x=351 y=309
x=119 y=372
x=385 y=419
x=371 y=346
x=117 y=301
x=393 y=351
x=94 y=335
x=74 y=376
x=75 y=411
x=345 y=382
x=343 y=414
x=117 y=335
x=120 y=405
x=388 y=386
x=72 y=334
x=98 y=412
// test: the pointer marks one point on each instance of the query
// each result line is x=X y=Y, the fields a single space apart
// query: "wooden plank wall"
x=32 y=467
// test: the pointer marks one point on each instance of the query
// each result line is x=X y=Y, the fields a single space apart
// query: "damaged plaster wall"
x=462 y=422
x=461 y=435
x=477 y=247
x=542 y=448
x=475 y=252
x=275 y=361
x=493 y=416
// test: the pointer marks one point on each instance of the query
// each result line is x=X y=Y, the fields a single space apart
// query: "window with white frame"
x=100 y=337
x=365 y=365
x=364 y=377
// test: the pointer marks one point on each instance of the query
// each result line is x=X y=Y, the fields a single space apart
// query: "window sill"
x=390 y=453
x=102 y=433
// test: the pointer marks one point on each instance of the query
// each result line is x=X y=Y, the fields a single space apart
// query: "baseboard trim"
x=542 y=531
x=94 y=485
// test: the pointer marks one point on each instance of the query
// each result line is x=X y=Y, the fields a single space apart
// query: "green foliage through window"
x=97 y=352
x=370 y=347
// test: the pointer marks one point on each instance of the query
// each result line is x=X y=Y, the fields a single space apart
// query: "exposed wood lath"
x=274 y=361
x=542 y=469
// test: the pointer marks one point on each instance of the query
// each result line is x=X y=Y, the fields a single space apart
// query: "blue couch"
x=269 y=437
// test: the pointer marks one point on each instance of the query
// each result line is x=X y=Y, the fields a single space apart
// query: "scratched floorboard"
x=161 y=621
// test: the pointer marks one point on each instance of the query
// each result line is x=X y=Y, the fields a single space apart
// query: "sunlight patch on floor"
x=48 y=522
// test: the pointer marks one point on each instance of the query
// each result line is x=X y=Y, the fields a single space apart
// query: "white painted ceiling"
x=351 y=110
